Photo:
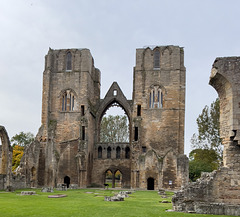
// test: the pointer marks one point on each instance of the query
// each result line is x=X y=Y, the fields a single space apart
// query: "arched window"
x=118 y=152
x=127 y=153
x=155 y=97
x=156 y=59
x=69 y=61
x=109 y=152
x=68 y=101
x=100 y=152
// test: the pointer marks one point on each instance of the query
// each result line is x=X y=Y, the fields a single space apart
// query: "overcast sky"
x=112 y=30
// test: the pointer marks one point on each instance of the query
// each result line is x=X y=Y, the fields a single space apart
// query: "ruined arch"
x=222 y=84
x=6 y=152
x=114 y=95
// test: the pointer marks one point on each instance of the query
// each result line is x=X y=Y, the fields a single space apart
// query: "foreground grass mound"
x=87 y=202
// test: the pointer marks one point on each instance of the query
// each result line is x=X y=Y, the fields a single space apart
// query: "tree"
x=19 y=142
x=22 y=139
x=207 y=147
x=202 y=160
x=17 y=156
x=114 y=129
x=208 y=136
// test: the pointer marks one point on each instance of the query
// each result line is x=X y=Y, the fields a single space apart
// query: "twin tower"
x=67 y=148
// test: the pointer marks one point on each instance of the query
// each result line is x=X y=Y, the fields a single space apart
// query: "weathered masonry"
x=218 y=192
x=67 y=148
x=5 y=159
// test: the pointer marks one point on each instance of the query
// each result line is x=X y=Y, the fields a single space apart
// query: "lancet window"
x=156 y=59
x=69 y=61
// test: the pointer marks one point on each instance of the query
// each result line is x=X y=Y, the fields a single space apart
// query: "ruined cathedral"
x=67 y=148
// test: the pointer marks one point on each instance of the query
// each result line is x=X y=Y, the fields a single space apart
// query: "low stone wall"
x=218 y=209
x=213 y=193
x=18 y=182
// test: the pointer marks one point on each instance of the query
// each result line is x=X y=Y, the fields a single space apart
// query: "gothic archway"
x=114 y=97
x=109 y=178
x=118 y=179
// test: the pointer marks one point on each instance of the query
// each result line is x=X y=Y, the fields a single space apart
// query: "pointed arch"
x=114 y=95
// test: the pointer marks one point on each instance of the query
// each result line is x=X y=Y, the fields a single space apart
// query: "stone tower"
x=67 y=148
x=158 y=118
x=71 y=89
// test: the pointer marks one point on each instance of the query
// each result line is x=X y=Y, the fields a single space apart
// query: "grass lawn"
x=80 y=203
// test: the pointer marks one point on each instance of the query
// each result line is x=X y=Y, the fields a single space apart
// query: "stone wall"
x=2 y=181
x=218 y=192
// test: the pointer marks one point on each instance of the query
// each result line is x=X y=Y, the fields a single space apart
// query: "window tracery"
x=68 y=100
x=156 y=97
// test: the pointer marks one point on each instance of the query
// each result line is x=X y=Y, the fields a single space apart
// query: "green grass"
x=80 y=203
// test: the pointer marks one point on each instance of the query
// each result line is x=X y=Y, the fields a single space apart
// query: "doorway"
x=150 y=183
x=67 y=181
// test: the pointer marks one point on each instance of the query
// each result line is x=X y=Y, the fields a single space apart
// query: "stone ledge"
x=218 y=209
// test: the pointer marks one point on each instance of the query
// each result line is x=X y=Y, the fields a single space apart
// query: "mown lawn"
x=80 y=203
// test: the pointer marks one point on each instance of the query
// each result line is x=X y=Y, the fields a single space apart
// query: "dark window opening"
x=157 y=59
x=118 y=152
x=83 y=132
x=150 y=184
x=99 y=152
x=69 y=61
x=144 y=149
x=67 y=181
x=82 y=110
x=139 y=110
x=136 y=134
x=109 y=152
x=127 y=153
